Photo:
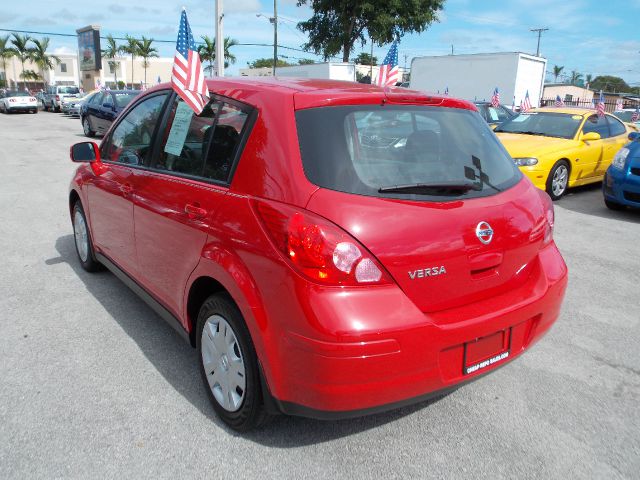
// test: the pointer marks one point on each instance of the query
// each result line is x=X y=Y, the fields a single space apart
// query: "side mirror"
x=634 y=136
x=590 y=136
x=85 y=152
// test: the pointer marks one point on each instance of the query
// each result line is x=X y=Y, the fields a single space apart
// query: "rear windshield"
x=71 y=90
x=123 y=99
x=18 y=94
x=403 y=152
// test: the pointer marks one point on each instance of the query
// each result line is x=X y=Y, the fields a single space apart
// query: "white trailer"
x=474 y=77
x=329 y=70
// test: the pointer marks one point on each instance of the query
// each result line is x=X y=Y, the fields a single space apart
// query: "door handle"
x=126 y=189
x=193 y=210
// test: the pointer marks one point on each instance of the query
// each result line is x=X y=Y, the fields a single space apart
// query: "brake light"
x=549 y=214
x=32 y=99
x=12 y=100
x=319 y=249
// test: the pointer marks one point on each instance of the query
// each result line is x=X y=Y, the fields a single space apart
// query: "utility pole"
x=371 y=64
x=219 y=39
x=275 y=36
x=539 y=30
x=452 y=49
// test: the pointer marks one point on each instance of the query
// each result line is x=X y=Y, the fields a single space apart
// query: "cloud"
x=64 y=51
x=31 y=21
x=116 y=8
x=65 y=14
x=163 y=31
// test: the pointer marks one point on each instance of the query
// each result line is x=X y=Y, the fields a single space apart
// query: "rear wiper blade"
x=443 y=188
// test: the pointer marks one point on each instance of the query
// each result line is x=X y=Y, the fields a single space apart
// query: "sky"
x=583 y=35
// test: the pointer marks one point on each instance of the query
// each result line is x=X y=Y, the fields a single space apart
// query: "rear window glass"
x=71 y=90
x=18 y=94
x=123 y=99
x=370 y=150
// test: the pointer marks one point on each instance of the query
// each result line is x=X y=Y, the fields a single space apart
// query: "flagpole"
x=219 y=39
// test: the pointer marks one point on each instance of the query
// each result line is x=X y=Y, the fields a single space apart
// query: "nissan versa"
x=331 y=249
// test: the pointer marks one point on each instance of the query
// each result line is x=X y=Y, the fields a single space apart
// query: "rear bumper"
x=22 y=108
x=408 y=356
x=620 y=186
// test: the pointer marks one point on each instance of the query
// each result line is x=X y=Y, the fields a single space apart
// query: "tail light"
x=317 y=248
x=32 y=99
x=549 y=214
x=12 y=100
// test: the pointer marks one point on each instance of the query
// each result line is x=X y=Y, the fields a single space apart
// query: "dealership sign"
x=89 y=48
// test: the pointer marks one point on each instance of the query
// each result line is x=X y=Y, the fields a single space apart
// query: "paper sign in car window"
x=179 y=129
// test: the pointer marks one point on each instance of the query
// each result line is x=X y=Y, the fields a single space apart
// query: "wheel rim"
x=81 y=235
x=85 y=124
x=559 y=181
x=223 y=363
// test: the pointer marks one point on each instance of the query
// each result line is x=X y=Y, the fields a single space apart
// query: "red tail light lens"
x=549 y=216
x=32 y=99
x=319 y=249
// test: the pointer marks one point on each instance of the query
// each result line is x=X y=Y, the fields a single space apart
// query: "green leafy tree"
x=305 y=61
x=40 y=57
x=110 y=53
x=21 y=48
x=337 y=24
x=609 y=83
x=557 y=70
x=575 y=78
x=6 y=53
x=588 y=78
x=365 y=59
x=267 y=62
x=29 y=76
x=146 y=51
x=207 y=52
x=130 y=48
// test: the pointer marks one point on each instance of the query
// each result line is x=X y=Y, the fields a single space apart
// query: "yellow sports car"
x=559 y=148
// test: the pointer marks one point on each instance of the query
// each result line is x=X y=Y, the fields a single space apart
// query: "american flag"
x=495 y=98
x=187 y=76
x=388 y=74
x=559 y=102
x=600 y=105
x=619 y=105
x=525 y=106
x=636 y=115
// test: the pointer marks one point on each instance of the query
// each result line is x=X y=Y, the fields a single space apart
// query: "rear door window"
x=369 y=150
x=204 y=145
x=616 y=127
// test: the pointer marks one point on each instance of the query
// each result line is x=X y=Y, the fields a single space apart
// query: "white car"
x=55 y=94
x=12 y=101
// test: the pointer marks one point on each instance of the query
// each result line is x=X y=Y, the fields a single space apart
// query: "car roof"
x=309 y=93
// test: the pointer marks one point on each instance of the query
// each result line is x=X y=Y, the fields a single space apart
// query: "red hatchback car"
x=331 y=249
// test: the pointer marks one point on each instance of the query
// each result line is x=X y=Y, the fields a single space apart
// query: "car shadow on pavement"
x=177 y=361
x=589 y=200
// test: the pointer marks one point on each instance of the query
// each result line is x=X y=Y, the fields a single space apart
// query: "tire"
x=86 y=126
x=83 y=242
x=35 y=111
x=613 y=205
x=230 y=360
x=558 y=180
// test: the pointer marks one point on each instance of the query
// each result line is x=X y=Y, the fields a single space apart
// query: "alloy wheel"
x=559 y=181
x=81 y=235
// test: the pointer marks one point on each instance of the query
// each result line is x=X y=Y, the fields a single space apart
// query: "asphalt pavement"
x=95 y=385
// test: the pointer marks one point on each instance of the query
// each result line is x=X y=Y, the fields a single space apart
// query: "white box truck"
x=329 y=70
x=474 y=77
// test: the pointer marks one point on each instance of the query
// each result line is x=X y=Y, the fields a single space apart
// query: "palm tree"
x=146 y=51
x=110 y=53
x=556 y=72
x=207 y=52
x=130 y=48
x=40 y=56
x=575 y=77
x=29 y=75
x=588 y=79
x=20 y=47
x=5 y=53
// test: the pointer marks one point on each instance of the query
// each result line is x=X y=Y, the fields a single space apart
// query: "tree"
x=305 y=61
x=267 y=62
x=588 y=78
x=337 y=24
x=575 y=77
x=110 y=53
x=556 y=72
x=5 y=53
x=365 y=59
x=609 y=83
x=40 y=57
x=146 y=51
x=29 y=75
x=130 y=48
x=21 y=48
x=207 y=52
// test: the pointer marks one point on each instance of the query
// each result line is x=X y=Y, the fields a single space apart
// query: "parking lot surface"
x=95 y=385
